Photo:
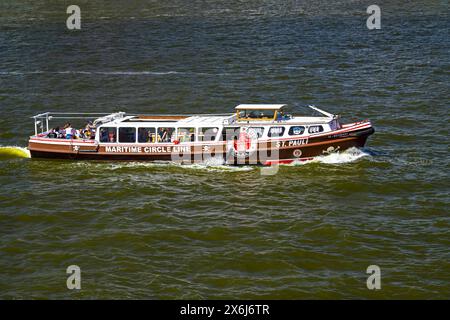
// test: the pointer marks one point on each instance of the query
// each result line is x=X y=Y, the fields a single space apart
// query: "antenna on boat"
x=322 y=112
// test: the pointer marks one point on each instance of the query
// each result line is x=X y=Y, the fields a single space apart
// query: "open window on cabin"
x=127 y=135
x=207 y=134
x=186 y=134
x=147 y=135
x=108 y=134
x=165 y=134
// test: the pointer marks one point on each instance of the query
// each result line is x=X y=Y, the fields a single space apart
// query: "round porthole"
x=297 y=153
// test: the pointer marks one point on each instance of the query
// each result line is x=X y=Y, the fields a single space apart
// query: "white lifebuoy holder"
x=297 y=153
x=246 y=143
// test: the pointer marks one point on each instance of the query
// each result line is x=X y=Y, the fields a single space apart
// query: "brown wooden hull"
x=283 y=150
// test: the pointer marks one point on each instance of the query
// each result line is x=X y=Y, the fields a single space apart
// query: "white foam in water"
x=11 y=152
x=217 y=168
x=346 y=156
x=212 y=164
x=218 y=165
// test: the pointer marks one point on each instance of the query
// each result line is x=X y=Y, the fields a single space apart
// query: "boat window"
x=276 y=132
x=230 y=134
x=147 y=135
x=259 y=131
x=267 y=114
x=165 y=134
x=296 y=130
x=108 y=134
x=127 y=134
x=256 y=114
x=186 y=134
x=315 y=129
x=207 y=134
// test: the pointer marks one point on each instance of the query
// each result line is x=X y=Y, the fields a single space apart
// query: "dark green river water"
x=158 y=231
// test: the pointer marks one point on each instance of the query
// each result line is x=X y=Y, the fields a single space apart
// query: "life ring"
x=242 y=144
x=246 y=143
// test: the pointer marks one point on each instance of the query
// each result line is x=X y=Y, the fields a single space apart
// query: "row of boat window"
x=167 y=134
x=151 y=135
x=293 y=131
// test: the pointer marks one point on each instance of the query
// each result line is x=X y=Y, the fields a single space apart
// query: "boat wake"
x=218 y=165
x=212 y=165
x=347 y=156
x=12 y=152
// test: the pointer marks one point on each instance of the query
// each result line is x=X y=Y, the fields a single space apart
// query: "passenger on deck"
x=68 y=130
x=86 y=134
x=58 y=132
x=280 y=116
x=79 y=134
x=52 y=134
x=90 y=130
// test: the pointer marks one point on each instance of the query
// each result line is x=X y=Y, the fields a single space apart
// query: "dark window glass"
x=267 y=114
x=296 y=130
x=256 y=114
x=315 y=129
x=147 y=135
x=276 y=132
x=108 y=134
x=127 y=135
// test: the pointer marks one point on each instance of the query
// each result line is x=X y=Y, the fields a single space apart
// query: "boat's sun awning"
x=259 y=106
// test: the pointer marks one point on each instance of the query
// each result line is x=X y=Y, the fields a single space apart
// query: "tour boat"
x=263 y=134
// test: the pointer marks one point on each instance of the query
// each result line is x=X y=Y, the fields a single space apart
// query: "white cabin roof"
x=211 y=120
x=204 y=120
x=259 y=106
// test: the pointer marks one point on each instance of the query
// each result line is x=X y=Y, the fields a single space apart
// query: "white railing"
x=41 y=121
